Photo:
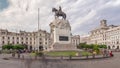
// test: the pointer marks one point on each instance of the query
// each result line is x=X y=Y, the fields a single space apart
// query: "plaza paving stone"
x=113 y=62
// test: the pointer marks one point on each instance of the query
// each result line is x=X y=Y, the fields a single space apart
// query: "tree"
x=91 y=46
x=102 y=46
x=8 y=46
x=81 y=45
x=96 y=48
x=18 y=47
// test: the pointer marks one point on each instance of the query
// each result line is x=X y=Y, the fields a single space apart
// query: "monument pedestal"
x=61 y=35
x=63 y=47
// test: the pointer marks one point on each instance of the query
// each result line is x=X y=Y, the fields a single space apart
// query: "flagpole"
x=38 y=30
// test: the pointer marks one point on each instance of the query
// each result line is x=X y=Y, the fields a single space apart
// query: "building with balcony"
x=106 y=34
x=25 y=38
x=33 y=40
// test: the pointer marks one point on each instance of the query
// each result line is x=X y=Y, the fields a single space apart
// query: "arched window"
x=41 y=48
x=30 y=47
x=109 y=47
x=117 y=47
x=113 y=46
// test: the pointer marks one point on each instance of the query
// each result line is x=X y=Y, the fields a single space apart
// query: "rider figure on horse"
x=59 y=12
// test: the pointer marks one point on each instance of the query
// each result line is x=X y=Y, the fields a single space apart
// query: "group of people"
x=105 y=53
x=108 y=53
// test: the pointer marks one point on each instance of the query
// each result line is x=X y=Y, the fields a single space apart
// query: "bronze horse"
x=59 y=12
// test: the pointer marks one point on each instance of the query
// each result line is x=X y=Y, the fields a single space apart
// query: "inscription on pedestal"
x=63 y=38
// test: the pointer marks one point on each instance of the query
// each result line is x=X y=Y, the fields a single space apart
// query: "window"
x=30 y=42
x=117 y=47
x=3 y=37
x=117 y=42
x=40 y=42
x=22 y=38
x=45 y=42
x=22 y=42
x=3 y=42
x=3 y=32
x=17 y=42
x=26 y=38
x=13 y=42
x=17 y=38
x=12 y=37
x=40 y=34
x=8 y=37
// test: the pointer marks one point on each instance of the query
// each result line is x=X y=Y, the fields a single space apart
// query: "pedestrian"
x=104 y=52
x=111 y=54
x=94 y=53
x=18 y=55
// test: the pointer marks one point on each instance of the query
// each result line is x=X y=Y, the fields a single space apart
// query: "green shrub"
x=17 y=47
x=10 y=46
x=102 y=46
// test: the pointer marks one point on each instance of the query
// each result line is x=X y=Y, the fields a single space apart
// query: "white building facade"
x=30 y=39
x=25 y=38
x=108 y=35
x=85 y=39
x=75 y=40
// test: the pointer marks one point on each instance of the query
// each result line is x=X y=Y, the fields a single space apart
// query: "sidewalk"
x=28 y=56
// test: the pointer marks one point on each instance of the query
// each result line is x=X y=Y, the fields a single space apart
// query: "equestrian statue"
x=59 y=12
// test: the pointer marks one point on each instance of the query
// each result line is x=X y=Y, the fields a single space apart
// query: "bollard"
x=23 y=57
x=61 y=57
x=70 y=57
x=86 y=56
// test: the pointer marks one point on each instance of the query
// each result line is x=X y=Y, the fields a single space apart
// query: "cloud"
x=83 y=15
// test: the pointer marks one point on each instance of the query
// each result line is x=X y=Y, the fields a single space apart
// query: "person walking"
x=111 y=54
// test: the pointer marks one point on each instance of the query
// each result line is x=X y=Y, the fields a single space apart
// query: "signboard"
x=63 y=38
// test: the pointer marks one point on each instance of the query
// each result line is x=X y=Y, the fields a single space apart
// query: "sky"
x=83 y=15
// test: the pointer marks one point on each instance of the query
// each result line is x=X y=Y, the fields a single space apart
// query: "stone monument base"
x=63 y=47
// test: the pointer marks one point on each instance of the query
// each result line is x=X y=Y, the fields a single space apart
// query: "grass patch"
x=67 y=53
x=62 y=53
x=86 y=53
